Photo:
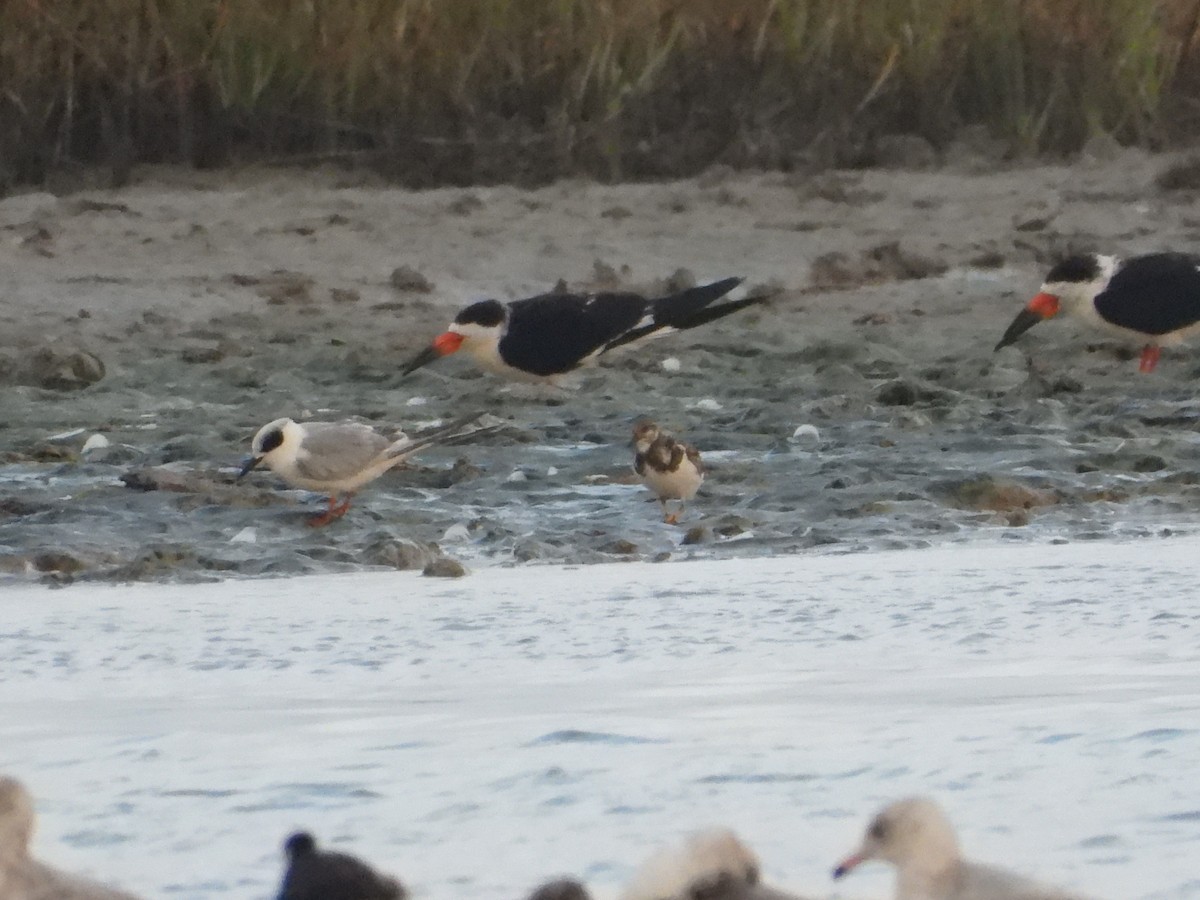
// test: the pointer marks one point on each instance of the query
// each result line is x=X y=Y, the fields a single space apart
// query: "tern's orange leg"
x=1150 y=355
x=336 y=511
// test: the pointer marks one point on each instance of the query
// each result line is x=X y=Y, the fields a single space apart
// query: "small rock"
x=681 y=280
x=985 y=492
x=406 y=278
x=697 y=534
x=400 y=554
x=463 y=470
x=896 y=393
x=57 y=561
x=14 y=506
x=1149 y=463
x=160 y=478
x=344 y=295
x=202 y=355
x=52 y=453
x=57 y=367
x=604 y=275
x=616 y=212
x=1180 y=174
x=987 y=259
x=445 y=567
x=671 y=364
x=283 y=287
x=621 y=547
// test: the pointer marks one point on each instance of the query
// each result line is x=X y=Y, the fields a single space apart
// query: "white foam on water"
x=477 y=735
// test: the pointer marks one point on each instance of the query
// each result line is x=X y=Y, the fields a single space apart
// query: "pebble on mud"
x=400 y=553
x=444 y=567
x=406 y=278
x=620 y=547
x=57 y=561
x=58 y=367
x=896 y=393
x=987 y=493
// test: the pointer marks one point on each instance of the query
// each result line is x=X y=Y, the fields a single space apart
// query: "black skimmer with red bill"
x=314 y=874
x=1154 y=299
x=669 y=467
x=541 y=338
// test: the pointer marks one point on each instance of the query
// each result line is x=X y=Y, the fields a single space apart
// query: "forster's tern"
x=337 y=458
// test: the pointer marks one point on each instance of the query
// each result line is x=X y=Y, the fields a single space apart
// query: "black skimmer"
x=915 y=836
x=1154 y=299
x=21 y=876
x=314 y=874
x=541 y=338
x=670 y=468
x=711 y=865
x=336 y=458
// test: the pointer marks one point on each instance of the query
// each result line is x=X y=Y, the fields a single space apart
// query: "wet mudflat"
x=174 y=317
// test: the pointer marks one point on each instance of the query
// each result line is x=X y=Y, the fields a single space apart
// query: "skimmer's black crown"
x=300 y=844
x=1075 y=270
x=488 y=313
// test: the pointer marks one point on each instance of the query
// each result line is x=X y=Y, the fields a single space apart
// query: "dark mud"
x=175 y=320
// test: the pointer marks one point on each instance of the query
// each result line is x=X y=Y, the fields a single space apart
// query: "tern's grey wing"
x=332 y=451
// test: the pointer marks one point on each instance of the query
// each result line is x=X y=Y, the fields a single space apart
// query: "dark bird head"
x=645 y=433
x=477 y=329
x=560 y=889
x=299 y=845
x=1072 y=282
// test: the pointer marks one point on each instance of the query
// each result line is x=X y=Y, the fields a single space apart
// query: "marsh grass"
x=456 y=91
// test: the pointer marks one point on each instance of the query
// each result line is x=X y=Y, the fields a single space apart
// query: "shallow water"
x=475 y=736
x=1118 y=458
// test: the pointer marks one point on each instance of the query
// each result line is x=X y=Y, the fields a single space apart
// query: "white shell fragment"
x=806 y=434
x=671 y=364
x=456 y=534
x=95 y=442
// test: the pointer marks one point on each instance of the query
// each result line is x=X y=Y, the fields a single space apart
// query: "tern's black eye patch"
x=1075 y=270
x=488 y=313
x=271 y=440
x=878 y=830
